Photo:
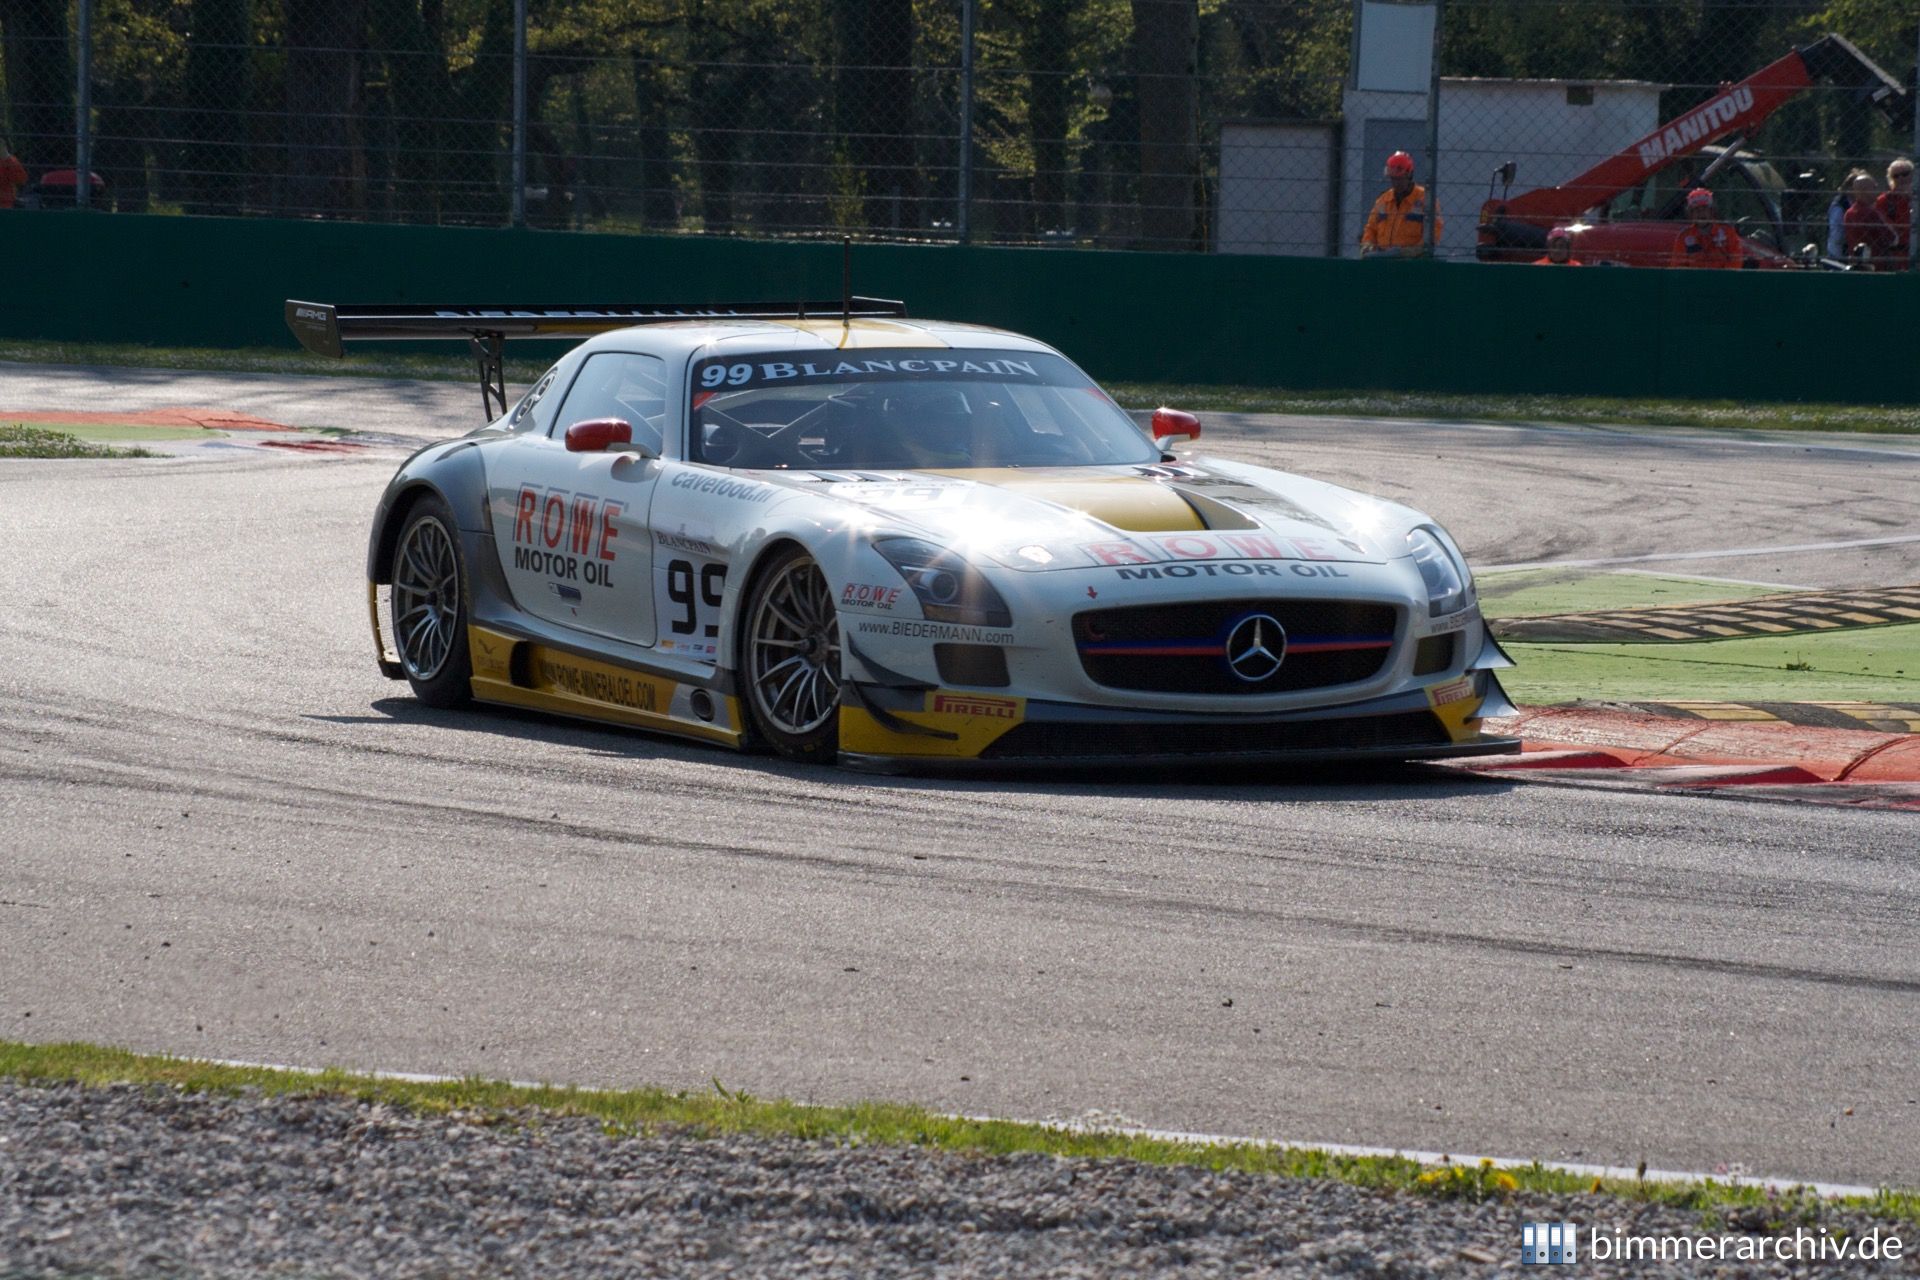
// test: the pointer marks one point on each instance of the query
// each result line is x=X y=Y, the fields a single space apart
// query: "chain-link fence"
x=1256 y=126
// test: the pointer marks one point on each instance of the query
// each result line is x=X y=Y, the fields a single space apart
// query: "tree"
x=217 y=84
x=1048 y=56
x=324 y=43
x=873 y=103
x=421 y=99
x=40 y=82
x=1166 y=40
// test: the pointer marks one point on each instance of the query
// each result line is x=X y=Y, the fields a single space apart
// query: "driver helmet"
x=935 y=421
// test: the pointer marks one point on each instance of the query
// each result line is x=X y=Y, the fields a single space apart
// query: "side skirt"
x=513 y=672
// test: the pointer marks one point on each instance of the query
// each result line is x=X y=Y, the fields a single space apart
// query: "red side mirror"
x=595 y=434
x=1171 y=426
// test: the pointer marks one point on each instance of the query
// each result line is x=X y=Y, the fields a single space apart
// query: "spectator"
x=1837 y=215
x=13 y=175
x=1870 y=237
x=1559 y=250
x=1397 y=226
x=1896 y=206
x=1707 y=242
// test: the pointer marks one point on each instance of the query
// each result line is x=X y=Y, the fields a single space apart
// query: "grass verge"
x=18 y=440
x=723 y=1112
x=1588 y=410
x=1868 y=664
x=1873 y=664
x=523 y=368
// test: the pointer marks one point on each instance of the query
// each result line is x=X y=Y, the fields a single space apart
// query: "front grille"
x=1040 y=740
x=1182 y=648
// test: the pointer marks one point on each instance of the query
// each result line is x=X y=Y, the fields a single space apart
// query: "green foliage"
x=785 y=116
x=1693 y=48
x=17 y=440
x=1467 y=1182
x=1886 y=30
x=723 y=1112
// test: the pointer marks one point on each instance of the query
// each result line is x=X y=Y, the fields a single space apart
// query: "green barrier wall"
x=1293 y=322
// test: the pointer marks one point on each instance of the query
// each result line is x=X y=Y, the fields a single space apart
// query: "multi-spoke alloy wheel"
x=792 y=658
x=429 y=607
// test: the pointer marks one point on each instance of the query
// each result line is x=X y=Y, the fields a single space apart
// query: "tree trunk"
x=324 y=40
x=1166 y=51
x=40 y=83
x=651 y=103
x=484 y=96
x=421 y=94
x=1049 y=48
x=873 y=105
x=119 y=147
x=217 y=91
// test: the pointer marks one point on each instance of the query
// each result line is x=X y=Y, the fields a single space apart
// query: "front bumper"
x=893 y=730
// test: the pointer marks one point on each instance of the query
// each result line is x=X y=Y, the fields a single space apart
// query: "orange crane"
x=1514 y=228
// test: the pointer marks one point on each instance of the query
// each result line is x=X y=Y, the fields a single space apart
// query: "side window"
x=528 y=414
x=620 y=384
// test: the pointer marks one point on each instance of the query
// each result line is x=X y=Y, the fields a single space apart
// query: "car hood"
x=1044 y=519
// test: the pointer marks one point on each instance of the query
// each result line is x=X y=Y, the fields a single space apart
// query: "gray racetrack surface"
x=226 y=835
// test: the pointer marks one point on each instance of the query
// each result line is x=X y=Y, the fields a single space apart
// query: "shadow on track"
x=1365 y=781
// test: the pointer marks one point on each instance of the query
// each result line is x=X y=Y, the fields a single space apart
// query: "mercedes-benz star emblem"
x=1256 y=647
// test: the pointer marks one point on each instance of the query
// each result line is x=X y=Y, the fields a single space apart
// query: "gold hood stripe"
x=1131 y=503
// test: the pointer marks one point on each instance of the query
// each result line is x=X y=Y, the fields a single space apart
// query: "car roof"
x=685 y=337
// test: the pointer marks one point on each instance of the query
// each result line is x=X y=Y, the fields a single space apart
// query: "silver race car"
x=840 y=533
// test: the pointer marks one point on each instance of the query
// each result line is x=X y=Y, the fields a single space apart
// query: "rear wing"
x=325 y=327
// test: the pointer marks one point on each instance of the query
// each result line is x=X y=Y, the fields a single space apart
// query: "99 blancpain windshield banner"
x=913 y=364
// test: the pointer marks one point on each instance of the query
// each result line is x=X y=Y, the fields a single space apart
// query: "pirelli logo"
x=964 y=705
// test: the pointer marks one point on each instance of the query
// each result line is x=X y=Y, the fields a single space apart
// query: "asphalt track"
x=225 y=835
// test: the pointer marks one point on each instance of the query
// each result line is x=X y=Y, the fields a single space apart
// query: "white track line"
x=1728 y=553
x=1825 y=1189
x=1674 y=437
x=1731 y=582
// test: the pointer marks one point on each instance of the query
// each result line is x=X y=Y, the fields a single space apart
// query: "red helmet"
x=1699 y=197
x=1399 y=165
x=1560 y=233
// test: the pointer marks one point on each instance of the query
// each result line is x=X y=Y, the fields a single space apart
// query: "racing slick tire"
x=430 y=605
x=790 y=658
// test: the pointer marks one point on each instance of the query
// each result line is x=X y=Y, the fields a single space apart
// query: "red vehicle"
x=1626 y=209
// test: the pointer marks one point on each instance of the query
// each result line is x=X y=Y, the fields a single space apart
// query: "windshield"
x=906 y=409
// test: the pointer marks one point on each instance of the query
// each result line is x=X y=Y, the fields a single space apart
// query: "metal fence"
x=1256 y=126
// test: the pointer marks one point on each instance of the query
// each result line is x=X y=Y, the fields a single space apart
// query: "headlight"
x=1441 y=568
x=948 y=588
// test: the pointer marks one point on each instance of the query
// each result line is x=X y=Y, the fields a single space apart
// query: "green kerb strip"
x=1525 y=593
x=722 y=1112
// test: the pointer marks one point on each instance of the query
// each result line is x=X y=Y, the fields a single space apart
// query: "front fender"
x=455 y=471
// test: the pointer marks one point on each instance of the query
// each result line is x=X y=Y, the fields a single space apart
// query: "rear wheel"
x=791 y=658
x=430 y=606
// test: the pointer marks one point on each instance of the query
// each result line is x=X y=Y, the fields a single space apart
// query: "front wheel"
x=430 y=606
x=791 y=658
